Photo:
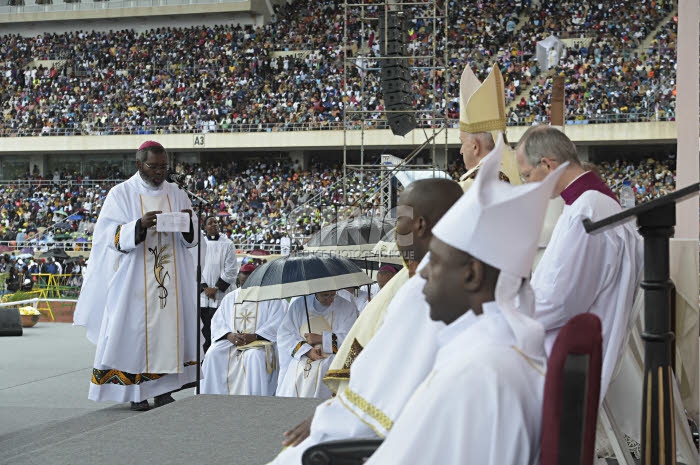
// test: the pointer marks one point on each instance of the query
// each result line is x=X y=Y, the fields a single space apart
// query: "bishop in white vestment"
x=138 y=299
x=243 y=357
x=306 y=353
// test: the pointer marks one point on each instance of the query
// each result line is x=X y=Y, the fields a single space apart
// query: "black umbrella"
x=301 y=274
x=360 y=230
x=55 y=253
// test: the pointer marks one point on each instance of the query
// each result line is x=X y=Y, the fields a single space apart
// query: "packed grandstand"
x=619 y=62
x=618 y=59
x=258 y=203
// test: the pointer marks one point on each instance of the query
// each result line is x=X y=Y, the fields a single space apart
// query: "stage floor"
x=46 y=418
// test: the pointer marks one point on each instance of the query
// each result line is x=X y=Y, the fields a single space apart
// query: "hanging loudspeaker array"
x=395 y=74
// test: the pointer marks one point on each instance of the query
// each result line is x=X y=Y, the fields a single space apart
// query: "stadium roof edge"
x=84 y=12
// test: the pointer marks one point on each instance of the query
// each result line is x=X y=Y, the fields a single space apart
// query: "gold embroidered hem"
x=117 y=237
x=123 y=378
x=365 y=406
x=297 y=347
x=483 y=126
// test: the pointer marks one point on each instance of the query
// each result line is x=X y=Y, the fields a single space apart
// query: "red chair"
x=571 y=394
x=569 y=410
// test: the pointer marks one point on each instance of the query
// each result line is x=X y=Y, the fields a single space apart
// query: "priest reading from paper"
x=138 y=298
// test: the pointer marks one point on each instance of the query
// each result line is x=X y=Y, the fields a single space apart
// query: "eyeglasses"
x=156 y=167
x=525 y=176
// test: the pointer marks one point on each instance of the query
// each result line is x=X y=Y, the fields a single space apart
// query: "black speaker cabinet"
x=402 y=123
x=10 y=322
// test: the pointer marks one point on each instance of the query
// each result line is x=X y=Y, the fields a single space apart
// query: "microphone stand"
x=200 y=203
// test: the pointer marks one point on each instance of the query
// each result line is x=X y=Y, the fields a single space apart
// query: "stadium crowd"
x=288 y=74
x=611 y=80
x=257 y=202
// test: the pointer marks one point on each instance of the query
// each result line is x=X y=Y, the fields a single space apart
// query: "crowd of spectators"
x=262 y=201
x=612 y=79
x=257 y=202
x=649 y=178
x=23 y=272
x=227 y=78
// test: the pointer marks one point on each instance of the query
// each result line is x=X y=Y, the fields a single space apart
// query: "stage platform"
x=46 y=418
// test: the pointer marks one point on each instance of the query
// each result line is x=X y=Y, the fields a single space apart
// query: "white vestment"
x=382 y=377
x=597 y=273
x=220 y=264
x=138 y=300
x=247 y=370
x=480 y=404
x=362 y=332
x=554 y=208
x=299 y=376
x=364 y=296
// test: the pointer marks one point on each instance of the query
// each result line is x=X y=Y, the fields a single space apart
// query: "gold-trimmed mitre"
x=481 y=104
x=483 y=109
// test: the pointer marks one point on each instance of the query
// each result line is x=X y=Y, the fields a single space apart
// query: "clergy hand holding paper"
x=168 y=224
x=148 y=220
x=174 y=221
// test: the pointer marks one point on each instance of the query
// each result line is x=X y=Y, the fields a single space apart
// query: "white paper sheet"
x=173 y=222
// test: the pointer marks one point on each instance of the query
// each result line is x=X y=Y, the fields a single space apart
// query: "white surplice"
x=597 y=273
x=480 y=404
x=299 y=376
x=382 y=377
x=138 y=300
x=220 y=264
x=251 y=371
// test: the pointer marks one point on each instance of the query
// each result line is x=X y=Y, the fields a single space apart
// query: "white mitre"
x=482 y=109
x=500 y=224
x=482 y=105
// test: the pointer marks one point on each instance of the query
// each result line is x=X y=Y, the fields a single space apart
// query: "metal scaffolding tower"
x=384 y=44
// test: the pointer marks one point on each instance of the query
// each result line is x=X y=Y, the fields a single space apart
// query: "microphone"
x=178 y=179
